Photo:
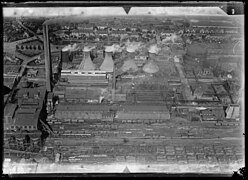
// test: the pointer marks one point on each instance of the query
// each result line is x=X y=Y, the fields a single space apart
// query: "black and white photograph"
x=123 y=87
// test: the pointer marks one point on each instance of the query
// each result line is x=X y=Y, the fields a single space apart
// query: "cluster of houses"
x=115 y=32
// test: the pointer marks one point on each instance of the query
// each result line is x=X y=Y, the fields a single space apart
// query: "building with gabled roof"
x=27 y=118
x=82 y=111
x=31 y=96
x=143 y=112
x=82 y=95
x=30 y=110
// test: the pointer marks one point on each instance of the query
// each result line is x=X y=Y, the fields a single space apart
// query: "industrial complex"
x=124 y=89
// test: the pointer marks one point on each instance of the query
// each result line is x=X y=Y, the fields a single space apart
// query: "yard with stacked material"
x=173 y=142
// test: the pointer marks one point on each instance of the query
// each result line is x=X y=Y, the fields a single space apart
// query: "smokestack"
x=47 y=53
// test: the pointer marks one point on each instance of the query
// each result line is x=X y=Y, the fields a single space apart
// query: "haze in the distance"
x=95 y=11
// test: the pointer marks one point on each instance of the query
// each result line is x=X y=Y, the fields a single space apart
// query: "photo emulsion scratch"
x=123 y=90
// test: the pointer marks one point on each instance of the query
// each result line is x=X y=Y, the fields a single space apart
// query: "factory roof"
x=81 y=93
x=101 y=107
x=26 y=120
x=220 y=89
x=58 y=89
x=31 y=92
x=30 y=102
x=31 y=97
x=143 y=107
x=82 y=107
x=10 y=109
x=27 y=117
x=26 y=110
x=219 y=112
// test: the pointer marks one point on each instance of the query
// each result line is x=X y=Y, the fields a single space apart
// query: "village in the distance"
x=148 y=90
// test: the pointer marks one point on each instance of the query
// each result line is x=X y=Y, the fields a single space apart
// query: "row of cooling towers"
x=108 y=63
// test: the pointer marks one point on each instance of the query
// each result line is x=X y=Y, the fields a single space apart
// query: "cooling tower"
x=150 y=66
x=108 y=63
x=129 y=64
x=87 y=63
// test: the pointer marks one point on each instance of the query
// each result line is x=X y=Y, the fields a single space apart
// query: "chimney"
x=47 y=53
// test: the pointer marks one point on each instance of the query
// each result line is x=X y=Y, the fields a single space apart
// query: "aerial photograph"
x=122 y=90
